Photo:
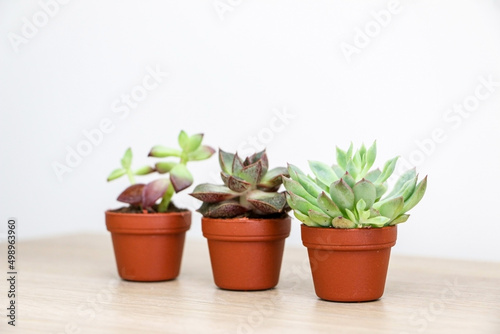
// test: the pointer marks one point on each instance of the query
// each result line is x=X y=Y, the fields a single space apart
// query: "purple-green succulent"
x=249 y=188
x=349 y=194
x=145 y=196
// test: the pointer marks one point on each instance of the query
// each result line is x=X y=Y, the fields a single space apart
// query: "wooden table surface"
x=70 y=285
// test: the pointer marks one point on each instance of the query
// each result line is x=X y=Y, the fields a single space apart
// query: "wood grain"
x=69 y=285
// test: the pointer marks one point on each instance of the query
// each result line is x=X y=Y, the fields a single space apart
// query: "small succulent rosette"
x=249 y=189
x=350 y=195
x=144 y=196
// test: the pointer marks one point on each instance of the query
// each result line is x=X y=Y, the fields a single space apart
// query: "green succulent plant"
x=145 y=196
x=349 y=194
x=249 y=188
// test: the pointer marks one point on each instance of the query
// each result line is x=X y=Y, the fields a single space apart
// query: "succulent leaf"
x=116 y=174
x=357 y=161
x=391 y=208
x=371 y=155
x=416 y=196
x=366 y=191
x=387 y=170
x=349 y=179
x=265 y=202
x=237 y=184
x=409 y=188
x=237 y=165
x=251 y=173
x=401 y=219
x=225 y=177
x=349 y=151
x=342 y=195
x=180 y=177
x=352 y=215
x=338 y=171
x=132 y=195
x=374 y=213
x=154 y=191
x=320 y=218
x=165 y=166
x=353 y=169
x=363 y=214
x=226 y=161
x=341 y=222
x=194 y=142
x=225 y=209
x=373 y=175
x=183 y=140
x=379 y=221
x=341 y=158
x=310 y=186
x=262 y=156
x=320 y=184
x=265 y=162
x=272 y=179
x=360 y=206
x=295 y=172
x=160 y=151
x=328 y=206
x=300 y=204
x=380 y=188
x=211 y=193
x=406 y=190
x=127 y=159
x=362 y=154
x=323 y=172
x=257 y=156
x=400 y=183
x=305 y=219
x=201 y=153
x=296 y=188
x=144 y=170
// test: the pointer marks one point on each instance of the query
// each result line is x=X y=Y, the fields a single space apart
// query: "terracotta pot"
x=349 y=265
x=148 y=247
x=246 y=253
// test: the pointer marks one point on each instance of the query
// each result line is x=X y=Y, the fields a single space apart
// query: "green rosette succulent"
x=349 y=194
x=249 y=188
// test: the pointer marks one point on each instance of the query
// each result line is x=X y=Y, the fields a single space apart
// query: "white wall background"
x=229 y=73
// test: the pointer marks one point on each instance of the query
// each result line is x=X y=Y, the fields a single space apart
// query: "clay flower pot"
x=349 y=265
x=148 y=247
x=246 y=253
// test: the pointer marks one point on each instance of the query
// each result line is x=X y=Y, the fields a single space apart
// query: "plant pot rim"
x=246 y=229
x=246 y=219
x=151 y=223
x=113 y=212
x=348 y=239
x=348 y=229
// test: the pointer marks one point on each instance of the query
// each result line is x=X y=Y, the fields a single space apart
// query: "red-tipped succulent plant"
x=249 y=189
x=145 y=196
